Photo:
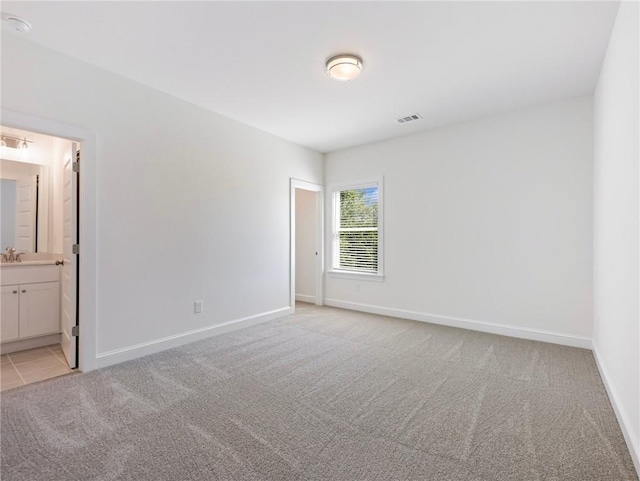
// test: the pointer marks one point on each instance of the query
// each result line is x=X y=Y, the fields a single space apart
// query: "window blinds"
x=355 y=229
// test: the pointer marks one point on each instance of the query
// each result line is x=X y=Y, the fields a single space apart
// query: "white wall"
x=488 y=221
x=190 y=205
x=305 y=245
x=616 y=334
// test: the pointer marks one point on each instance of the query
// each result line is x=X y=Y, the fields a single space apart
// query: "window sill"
x=361 y=276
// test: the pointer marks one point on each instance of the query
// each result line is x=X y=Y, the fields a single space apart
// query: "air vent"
x=408 y=118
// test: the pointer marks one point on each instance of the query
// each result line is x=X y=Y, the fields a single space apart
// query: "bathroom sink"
x=28 y=263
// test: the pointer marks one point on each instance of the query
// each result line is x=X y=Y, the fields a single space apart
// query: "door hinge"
x=75 y=331
x=76 y=167
x=76 y=249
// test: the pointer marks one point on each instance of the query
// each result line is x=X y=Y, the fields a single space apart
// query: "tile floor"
x=25 y=367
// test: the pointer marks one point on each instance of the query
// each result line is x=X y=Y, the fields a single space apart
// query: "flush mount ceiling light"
x=344 y=67
x=15 y=23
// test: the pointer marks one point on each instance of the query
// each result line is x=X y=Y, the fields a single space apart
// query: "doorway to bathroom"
x=39 y=184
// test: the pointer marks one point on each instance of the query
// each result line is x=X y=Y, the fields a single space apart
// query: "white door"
x=306 y=249
x=68 y=318
x=26 y=215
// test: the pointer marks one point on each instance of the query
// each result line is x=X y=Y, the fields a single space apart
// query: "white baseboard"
x=306 y=298
x=144 y=349
x=23 y=344
x=633 y=444
x=519 y=332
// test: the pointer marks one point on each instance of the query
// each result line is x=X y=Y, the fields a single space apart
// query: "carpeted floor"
x=325 y=394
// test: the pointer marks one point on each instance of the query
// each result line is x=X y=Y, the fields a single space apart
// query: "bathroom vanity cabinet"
x=30 y=301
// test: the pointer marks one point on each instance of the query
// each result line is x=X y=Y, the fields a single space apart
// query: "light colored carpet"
x=325 y=394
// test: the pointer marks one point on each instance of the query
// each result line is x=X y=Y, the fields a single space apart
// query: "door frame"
x=319 y=274
x=87 y=260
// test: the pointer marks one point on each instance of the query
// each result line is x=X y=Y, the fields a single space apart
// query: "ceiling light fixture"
x=344 y=67
x=15 y=142
x=15 y=23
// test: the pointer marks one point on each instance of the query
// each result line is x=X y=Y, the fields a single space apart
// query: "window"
x=357 y=229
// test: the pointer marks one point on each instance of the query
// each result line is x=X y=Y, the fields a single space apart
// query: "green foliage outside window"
x=358 y=229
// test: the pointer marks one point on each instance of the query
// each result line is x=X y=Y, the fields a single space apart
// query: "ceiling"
x=262 y=63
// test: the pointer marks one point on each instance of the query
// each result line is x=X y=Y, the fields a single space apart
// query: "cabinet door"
x=39 y=309
x=10 y=313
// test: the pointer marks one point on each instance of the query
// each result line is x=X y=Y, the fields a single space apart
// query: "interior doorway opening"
x=307 y=246
x=40 y=226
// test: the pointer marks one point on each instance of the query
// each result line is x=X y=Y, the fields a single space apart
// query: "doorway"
x=87 y=234
x=307 y=249
x=40 y=267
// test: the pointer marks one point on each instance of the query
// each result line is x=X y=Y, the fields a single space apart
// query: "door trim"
x=319 y=190
x=87 y=294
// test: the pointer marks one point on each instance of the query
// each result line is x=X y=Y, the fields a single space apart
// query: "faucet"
x=10 y=256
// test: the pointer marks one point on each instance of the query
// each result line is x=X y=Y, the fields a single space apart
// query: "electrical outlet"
x=357 y=287
x=197 y=307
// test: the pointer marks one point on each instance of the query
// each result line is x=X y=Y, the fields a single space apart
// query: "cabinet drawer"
x=28 y=274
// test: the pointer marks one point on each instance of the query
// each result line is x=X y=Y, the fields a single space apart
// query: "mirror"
x=24 y=209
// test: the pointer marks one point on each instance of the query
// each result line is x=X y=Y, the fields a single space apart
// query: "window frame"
x=355 y=274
